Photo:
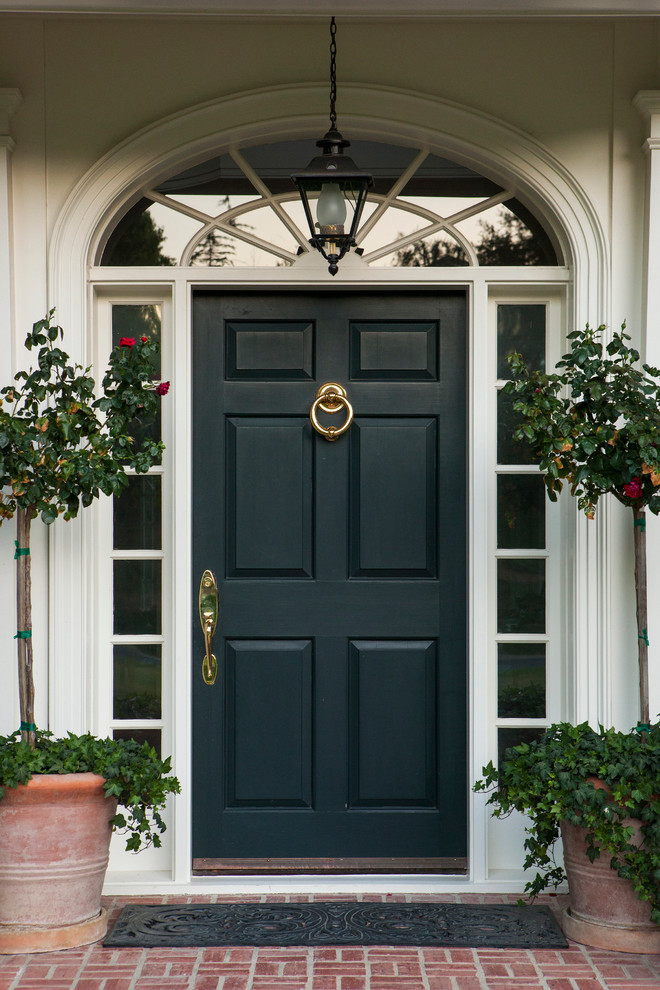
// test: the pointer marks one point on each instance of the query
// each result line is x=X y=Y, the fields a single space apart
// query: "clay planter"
x=605 y=911
x=54 y=844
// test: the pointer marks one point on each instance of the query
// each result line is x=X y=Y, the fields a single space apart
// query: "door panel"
x=269 y=498
x=393 y=478
x=335 y=733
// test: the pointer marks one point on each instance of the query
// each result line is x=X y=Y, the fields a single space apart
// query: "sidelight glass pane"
x=151 y=736
x=521 y=680
x=520 y=511
x=137 y=514
x=520 y=596
x=521 y=328
x=136 y=681
x=137 y=597
x=133 y=320
x=137 y=321
x=510 y=451
x=514 y=737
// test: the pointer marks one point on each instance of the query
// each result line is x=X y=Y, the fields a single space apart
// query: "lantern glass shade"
x=331 y=206
x=340 y=189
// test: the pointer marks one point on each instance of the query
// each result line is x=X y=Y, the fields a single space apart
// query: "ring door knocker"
x=208 y=616
x=331 y=398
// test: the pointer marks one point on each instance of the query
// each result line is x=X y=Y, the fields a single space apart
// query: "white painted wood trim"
x=648 y=104
x=114 y=183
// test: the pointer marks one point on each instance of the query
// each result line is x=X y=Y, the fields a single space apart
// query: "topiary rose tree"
x=595 y=425
x=62 y=444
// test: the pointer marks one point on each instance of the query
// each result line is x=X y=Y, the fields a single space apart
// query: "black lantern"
x=335 y=181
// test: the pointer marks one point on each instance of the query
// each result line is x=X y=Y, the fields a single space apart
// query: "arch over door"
x=335 y=735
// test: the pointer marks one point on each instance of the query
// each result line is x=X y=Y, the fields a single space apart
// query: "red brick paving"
x=373 y=968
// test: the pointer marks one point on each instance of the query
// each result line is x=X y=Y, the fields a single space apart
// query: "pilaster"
x=648 y=104
x=10 y=99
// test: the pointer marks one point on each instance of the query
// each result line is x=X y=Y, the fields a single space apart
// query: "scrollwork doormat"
x=496 y=926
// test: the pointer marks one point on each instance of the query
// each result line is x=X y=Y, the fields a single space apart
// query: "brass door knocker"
x=330 y=398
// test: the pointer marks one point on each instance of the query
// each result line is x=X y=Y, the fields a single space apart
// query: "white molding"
x=499 y=882
x=372 y=112
x=647 y=103
x=10 y=100
x=343 y=8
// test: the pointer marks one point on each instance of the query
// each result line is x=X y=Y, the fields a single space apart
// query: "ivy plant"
x=134 y=774
x=550 y=781
x=594 y=424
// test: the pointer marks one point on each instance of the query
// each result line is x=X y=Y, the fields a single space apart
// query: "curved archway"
x=471 y=138
x=114 y=184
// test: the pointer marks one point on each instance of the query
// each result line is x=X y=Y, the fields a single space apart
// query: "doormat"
x=495 y=926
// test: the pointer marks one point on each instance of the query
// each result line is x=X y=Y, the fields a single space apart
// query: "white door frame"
x=113 y=184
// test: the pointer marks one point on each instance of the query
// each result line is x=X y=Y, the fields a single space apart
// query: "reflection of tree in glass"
x=135 y=321
x=140 y=242
x=507 y=241
x=217 y=249
x=520 y=701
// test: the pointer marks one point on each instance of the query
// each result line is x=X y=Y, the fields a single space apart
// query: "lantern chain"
x=333 y=73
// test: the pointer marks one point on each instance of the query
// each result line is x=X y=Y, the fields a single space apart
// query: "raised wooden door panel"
x=336 y=731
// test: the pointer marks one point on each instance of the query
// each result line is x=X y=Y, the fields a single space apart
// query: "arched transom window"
x=242 y=209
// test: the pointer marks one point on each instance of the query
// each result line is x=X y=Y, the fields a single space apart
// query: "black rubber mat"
x=497 y=926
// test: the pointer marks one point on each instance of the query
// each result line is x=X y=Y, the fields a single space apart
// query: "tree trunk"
x=639 y=516
x=24 y=625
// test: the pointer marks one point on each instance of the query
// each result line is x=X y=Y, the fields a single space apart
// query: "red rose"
x=634 y=488
x=127 y=342
x=162 y=388
x=144 y=339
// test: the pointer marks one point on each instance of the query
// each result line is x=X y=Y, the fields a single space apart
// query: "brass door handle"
x=330 y=398
x=209 y=608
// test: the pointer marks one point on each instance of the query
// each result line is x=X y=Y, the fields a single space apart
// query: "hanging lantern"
x=336 y=183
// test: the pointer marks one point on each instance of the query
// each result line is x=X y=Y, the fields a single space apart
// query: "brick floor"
x=374 y=968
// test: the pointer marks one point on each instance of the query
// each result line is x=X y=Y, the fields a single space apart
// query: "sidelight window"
x=137 y=570
x=521 y=536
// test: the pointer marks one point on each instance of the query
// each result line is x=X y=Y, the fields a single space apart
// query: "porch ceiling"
x=407 y=8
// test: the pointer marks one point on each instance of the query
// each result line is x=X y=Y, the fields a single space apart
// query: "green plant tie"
x=23 y=634
x=642 y=727
x=28 y=727
x=641 y=522
x=645 y=637
x=20 y=551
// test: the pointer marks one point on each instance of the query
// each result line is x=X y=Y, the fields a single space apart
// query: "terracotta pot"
x=54 y=842
x=604 y=909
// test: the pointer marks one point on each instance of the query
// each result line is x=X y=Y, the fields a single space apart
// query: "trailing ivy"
x=547 y=780
x=133 y=772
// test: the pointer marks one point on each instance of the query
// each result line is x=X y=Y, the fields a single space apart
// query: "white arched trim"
x=474 y=139
x=481 y=142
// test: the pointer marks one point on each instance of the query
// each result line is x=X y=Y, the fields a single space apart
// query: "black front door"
x=335 y=734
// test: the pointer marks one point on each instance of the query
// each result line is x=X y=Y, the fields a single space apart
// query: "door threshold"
x=206 y=867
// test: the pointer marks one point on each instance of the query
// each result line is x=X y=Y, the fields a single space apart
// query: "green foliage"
x=594 y=423
x=133 y=772
x=61 y=446
x=548 y=780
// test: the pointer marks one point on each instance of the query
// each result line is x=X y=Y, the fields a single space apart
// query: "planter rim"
x=47 y=783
